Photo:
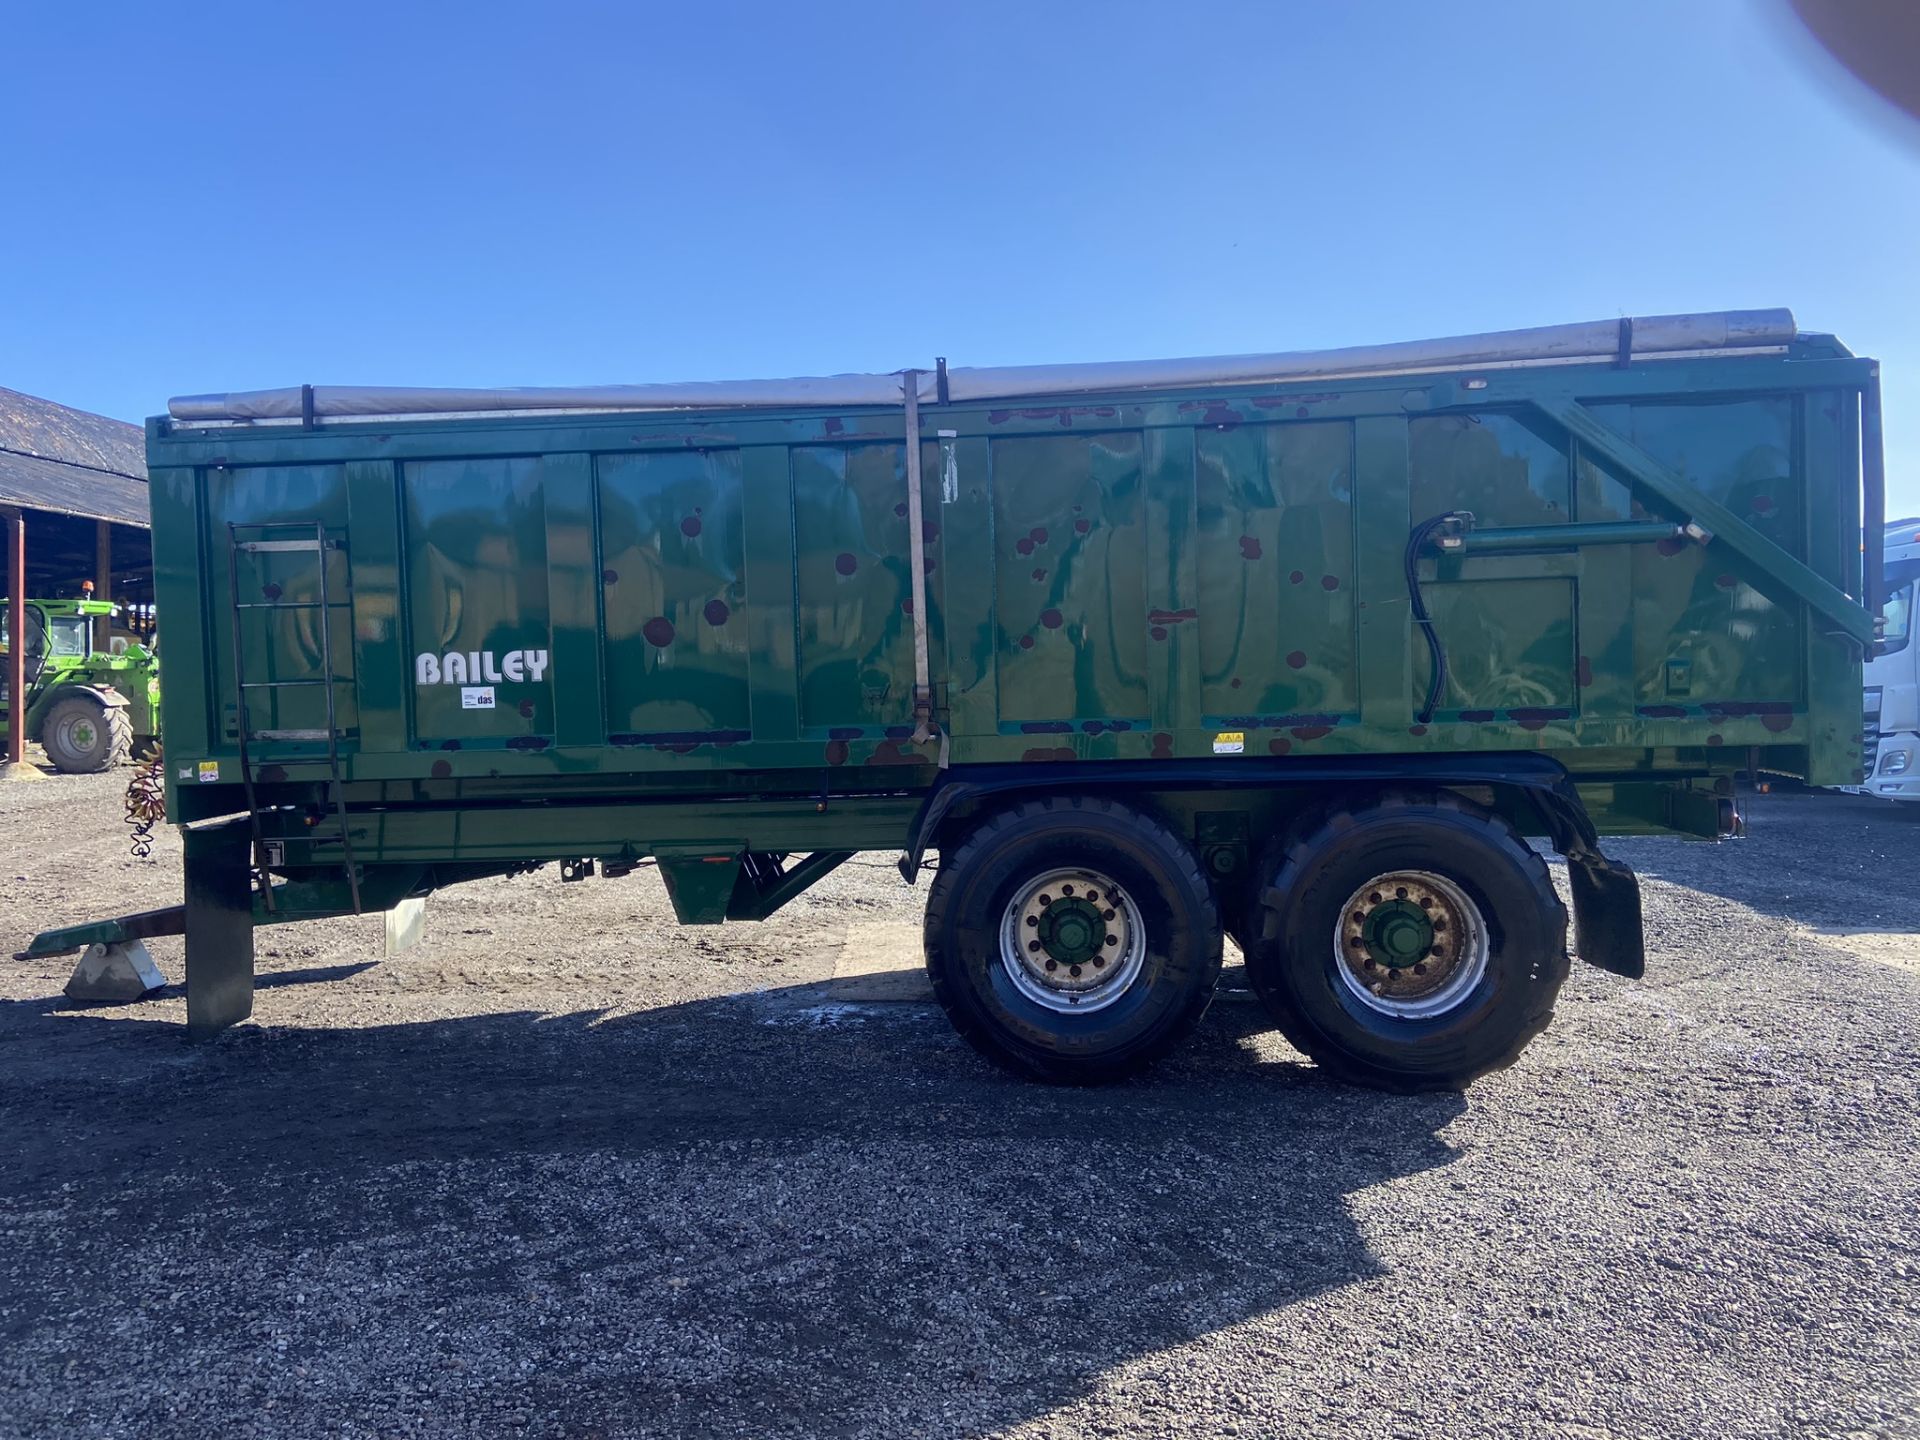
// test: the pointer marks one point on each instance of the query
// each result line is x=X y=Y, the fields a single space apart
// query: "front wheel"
x=82 y=736
x=1413 y=944
x=1072 y=940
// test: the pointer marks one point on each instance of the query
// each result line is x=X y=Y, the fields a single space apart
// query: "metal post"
x=103 y=581
x=917 y=567
x=17 y=639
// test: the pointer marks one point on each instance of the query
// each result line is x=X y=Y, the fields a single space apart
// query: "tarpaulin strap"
x=923 y=728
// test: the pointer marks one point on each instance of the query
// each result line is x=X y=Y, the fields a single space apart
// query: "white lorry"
x=1892 y=752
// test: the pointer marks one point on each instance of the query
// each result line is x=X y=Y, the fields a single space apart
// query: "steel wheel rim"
x=77 y=734
x=1072 y=941
x=1410 y=944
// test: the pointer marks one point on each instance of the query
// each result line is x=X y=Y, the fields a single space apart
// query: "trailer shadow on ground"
x=739 y=1215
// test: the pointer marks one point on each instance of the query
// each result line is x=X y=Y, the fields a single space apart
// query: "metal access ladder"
x=318 y=544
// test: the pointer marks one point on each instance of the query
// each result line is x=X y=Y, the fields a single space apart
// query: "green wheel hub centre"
x=1397 y=934
x=1072 y=930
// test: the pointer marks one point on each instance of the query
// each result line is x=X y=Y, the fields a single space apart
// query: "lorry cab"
x=1892 y=749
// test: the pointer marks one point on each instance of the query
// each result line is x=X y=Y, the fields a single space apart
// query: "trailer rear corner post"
x=219 y=927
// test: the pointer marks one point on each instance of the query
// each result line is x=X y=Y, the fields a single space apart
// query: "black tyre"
x=1414 y=944
x=1072 y=939
x=82 y=736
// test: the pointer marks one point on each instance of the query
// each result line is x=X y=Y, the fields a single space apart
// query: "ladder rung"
x=285 y=684
x=278 y=547
x=289 y=734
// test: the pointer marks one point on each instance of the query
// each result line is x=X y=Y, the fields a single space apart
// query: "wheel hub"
x=1411 y=944
x=1072 y=941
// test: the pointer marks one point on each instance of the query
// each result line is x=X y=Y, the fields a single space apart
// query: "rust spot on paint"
x=1279 y=745
x=1302 y=413
x=1039 y=575
x=1716 y=740
x=1416 y=729
x=1082 y=526
x=677 y=747
x=449 y=744
x=1048 y=754
x=1158 y=632
x=897 y=732
x=1026 y=642
x=1095 y=727
x=1476 y=717
x=1760 y=504
x=526 y=709
x=845 y=732
x=1329 y=582
x=658 y=631
x=929 y=565
x=833 y=425
x=929 y=531
x=1162 y=746
x=901 y=509
x=1777 y=723
x=836 y=752
x=1234 y=684
x=845 y=563
x=1038 y=534
x=1046 y=727
x=1311 y=732
x=1536 y=717
x=906 y=606
x=611 y=577
x=1296 y=577
x=1725 y=582
x=1249 y=548
x=716 y=612
x=1583 y=672
x=442 y=769
x=1662 y=712
x=1023 y=545
x=274 y=772
x=1296 y=660
x=891 y=752
x=1051 y=619
x=690 y=526
x=272 y=592
x=1171 y=617
x=1670 y=546
x=528 y=742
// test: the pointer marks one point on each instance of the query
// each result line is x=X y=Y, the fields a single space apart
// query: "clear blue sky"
x=204 y=198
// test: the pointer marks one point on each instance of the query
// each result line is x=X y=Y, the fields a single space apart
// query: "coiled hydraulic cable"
x=146 y=802
x=1416 y=542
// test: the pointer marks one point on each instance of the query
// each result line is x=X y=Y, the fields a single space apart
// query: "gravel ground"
x=569 y=1170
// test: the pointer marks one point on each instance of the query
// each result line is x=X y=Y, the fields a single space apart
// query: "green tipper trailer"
x=1292 y=647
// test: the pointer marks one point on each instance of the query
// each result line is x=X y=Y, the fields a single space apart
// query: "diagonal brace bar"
x=1648 y=474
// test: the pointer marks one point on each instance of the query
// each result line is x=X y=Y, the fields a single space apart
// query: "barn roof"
x=53 y=457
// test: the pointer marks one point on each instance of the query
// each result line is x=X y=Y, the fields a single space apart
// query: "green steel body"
x=1175 y=582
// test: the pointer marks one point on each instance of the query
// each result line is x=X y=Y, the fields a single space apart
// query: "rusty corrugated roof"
x=72 y=462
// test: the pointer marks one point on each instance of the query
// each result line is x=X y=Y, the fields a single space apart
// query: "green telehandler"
x=90 y=710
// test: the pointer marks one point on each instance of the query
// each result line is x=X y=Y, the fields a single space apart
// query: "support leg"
x=219 y=928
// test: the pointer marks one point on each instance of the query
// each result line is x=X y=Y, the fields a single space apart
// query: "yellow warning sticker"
x=1230 y=742
x=209 y=771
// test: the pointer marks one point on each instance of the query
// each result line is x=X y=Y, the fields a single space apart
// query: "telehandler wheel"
x=82 y=736
x=1072 y=940
x=1414 y=944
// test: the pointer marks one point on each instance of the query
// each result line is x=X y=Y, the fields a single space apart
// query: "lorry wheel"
x=1072 y=940
x=1415 y=944
x=82 y=736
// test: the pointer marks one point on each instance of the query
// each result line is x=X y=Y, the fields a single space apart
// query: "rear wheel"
x=1415 y=944
x=82 y=736
x=1072 y=940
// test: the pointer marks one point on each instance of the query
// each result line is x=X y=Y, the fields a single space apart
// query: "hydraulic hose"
x=1416 y=542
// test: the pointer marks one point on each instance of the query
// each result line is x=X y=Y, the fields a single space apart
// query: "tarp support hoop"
x=917 y=559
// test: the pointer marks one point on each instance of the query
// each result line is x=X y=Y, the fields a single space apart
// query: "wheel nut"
x=1066 y=889
x=1106 y=914
x=1093 y=895
x=1401 y=893
x=1439 y=926
x=1419 y=969
x=1052 y=965
x=1099 y=961
x=1373 y=898
x=1426 y=902
x=1033 y=922
x=1046 y=899
x=1113 y=939
x=1074 y=971
x=1033 y=945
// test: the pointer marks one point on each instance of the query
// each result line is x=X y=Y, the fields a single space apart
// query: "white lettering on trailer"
x=479 y=668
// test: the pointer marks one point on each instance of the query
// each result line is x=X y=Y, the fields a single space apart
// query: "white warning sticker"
x=1230 y=742
x=476 y=697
